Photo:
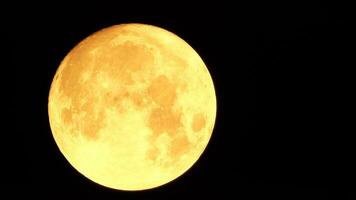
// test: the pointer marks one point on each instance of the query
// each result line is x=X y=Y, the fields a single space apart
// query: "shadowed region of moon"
x=162 y=91
x=132 y=107
x=198 y=122
x=164 y=120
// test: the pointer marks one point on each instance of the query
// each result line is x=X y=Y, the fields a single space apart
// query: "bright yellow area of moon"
x=132 y=107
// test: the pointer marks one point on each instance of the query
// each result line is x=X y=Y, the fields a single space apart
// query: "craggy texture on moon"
x=132 y=107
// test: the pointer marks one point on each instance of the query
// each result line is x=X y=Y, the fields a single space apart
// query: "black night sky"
x=281 y=76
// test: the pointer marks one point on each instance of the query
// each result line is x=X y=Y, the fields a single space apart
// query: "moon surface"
x=132 y=107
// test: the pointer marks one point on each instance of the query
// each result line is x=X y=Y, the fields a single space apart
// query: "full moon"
x=132 y=107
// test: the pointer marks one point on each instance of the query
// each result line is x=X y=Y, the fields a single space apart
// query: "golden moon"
x=132 y=107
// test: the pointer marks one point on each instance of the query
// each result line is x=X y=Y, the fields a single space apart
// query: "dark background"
x=282 y=78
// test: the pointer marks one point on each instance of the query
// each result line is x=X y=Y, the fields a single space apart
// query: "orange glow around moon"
x=132 y=107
